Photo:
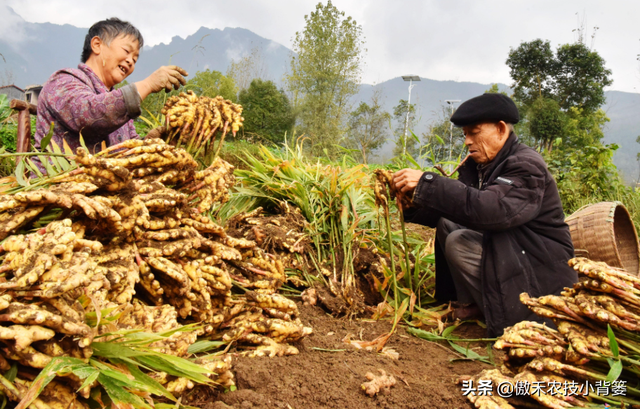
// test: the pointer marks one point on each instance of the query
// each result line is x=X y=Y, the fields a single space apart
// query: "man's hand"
x=406 y=180
x=166 y=77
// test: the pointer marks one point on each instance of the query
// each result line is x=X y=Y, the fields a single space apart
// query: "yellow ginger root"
x=156 y=320
x=274 y=301
x=279 y=330
x=17 y=218
x=24 y=336
x=220 y=373
x=267 y=347
x=220 y=368
x=557 y=401
x=5 y=301
x=70 y=309
x=378 y=383
x=42 y=197
x=173 y=271
x=27 y=356
x=151 y=286
x=55 y=395
x=218 y=280
x=31 y=314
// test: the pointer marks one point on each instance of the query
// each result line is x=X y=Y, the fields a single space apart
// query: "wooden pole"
x=25 y=110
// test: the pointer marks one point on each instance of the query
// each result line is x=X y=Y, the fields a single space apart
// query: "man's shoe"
x=467 y=312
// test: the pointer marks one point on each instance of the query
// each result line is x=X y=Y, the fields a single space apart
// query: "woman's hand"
x=406 y=180
x=166 y=77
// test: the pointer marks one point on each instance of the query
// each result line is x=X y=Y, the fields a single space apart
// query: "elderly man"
x=500 y=226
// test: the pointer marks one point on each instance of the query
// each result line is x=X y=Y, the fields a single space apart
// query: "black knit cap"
x=486 y=107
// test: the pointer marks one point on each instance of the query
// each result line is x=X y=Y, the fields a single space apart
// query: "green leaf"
x=203 y=346
x=615 y=371
x=151 y=384
x=89 y=380
x=54 y=159
x=118 y=394
x=429 y=336
x=177 y=366
x=447 y=331
x=613 y=344
x=81 y=139
x=44 y=160
x=114 y=350
x=470 y=354
x=44 y=143
x=83 y=371
x=490 y=353
x=12 y=372
x=46 y=375
x=413 y=162
x=118 y=376
x=19 y=173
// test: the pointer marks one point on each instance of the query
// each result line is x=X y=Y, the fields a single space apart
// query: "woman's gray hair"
x=107 y=30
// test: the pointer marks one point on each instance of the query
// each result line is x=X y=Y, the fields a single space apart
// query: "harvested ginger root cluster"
x=132 y=239
x=196 y=120
x=604 y=297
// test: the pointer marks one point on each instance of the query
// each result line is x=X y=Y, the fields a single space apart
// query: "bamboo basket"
x=604 y=232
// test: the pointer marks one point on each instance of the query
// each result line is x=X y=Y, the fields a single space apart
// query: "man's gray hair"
x=107 y=30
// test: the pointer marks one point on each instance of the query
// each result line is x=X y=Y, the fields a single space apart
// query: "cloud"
x=236 y=53
x=444 y=40
x=12 y=27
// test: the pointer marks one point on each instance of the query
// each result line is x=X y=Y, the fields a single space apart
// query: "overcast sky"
x=438 y=39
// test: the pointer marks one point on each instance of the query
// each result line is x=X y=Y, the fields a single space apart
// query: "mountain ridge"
x=36 y=50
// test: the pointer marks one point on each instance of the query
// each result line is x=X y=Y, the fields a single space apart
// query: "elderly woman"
x=83 y=101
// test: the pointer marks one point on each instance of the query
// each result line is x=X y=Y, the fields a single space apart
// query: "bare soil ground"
x=318 y=378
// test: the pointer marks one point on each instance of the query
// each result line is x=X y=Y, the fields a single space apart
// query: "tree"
x=325 y=73
x=247 y=68
x=266 y=110
x=213 y=83
x=581 y=78
x=368 y=126
x=400 y=116
x=533 y=68
x=547 y=122
x=574 y=76
x=559 y=96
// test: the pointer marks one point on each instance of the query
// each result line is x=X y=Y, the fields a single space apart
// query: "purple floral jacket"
x=77 y=102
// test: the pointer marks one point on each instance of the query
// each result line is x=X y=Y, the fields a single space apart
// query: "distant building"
x=12 y=92
x=31 y=94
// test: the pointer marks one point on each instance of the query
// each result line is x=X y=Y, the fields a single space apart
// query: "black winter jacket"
x=526 y=243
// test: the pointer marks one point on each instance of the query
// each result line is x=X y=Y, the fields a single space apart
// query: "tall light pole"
x=451 y=103
x=409 y=78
